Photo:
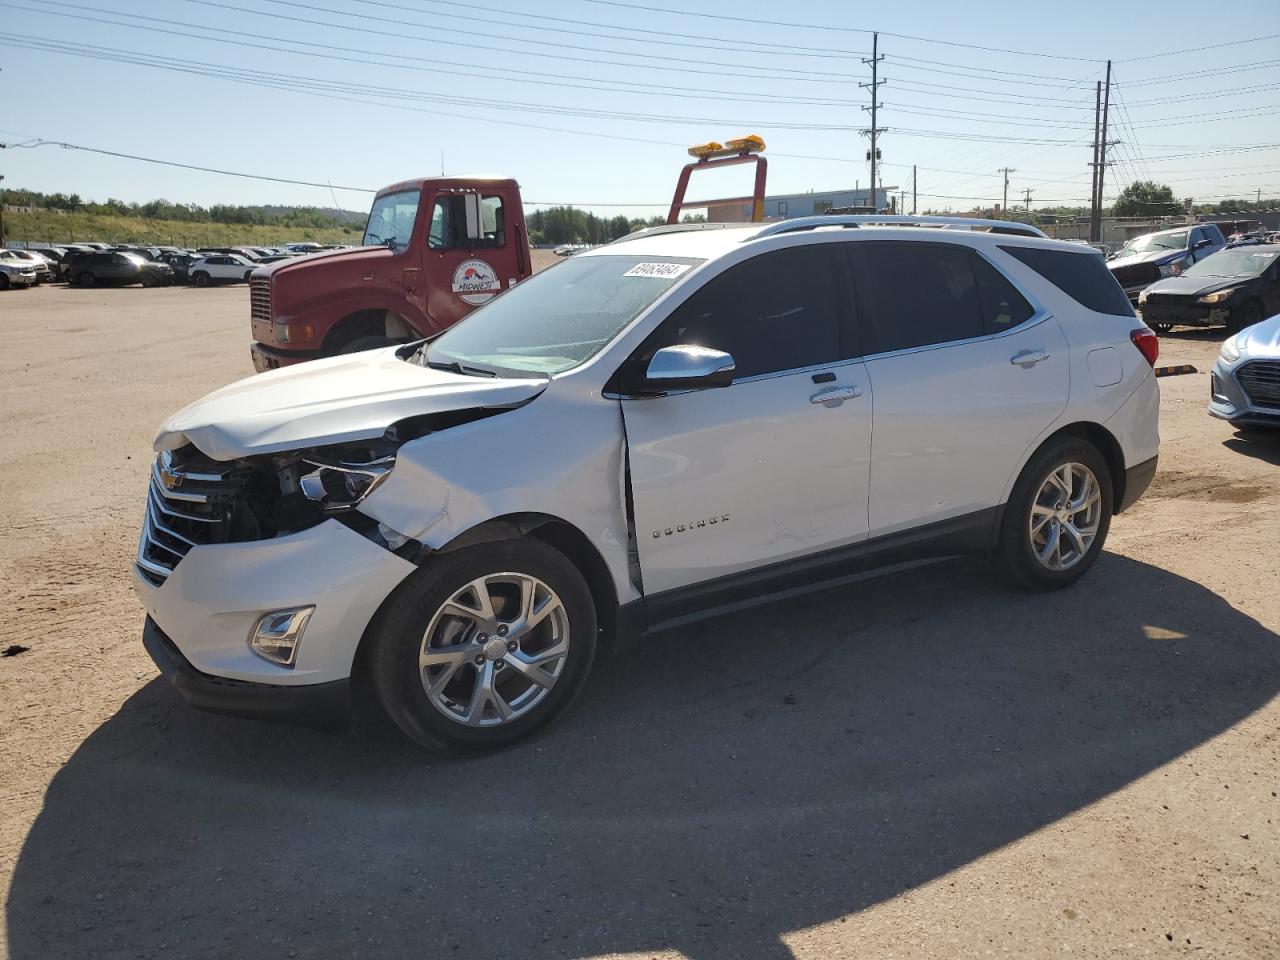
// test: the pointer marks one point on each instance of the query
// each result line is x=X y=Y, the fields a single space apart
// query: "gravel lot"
x=921 y=766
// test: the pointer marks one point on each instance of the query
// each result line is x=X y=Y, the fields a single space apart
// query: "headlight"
x=339 y=485
x=1230 y=352
x=1172 y=269
x=1217 y=296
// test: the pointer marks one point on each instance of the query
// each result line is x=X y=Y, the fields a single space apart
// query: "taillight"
x=1147 y=343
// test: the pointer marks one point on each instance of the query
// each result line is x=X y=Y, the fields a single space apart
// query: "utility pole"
x=1 y=213
x=1028 y=199
x=1102 y=150
x=1004 y=208
x=914 y=207
x=1094 y=214
x=875 y=98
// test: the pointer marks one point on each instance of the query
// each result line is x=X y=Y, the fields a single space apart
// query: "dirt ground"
x=921 y=766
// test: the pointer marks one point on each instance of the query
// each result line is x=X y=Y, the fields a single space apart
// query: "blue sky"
x=595 y=106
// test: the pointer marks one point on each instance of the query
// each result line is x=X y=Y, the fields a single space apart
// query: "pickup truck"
x=1166 y=253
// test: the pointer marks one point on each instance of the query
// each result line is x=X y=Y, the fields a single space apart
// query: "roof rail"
x=890 y=220
x=679 y=228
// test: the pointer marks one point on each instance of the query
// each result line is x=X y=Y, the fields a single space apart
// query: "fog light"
x=276 y=635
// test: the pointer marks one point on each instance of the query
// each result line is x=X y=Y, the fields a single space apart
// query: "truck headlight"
x=1217 y=296
x=338 y=484
x=1172 y=269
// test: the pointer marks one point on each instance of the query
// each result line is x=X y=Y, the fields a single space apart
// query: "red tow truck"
x=434 y=249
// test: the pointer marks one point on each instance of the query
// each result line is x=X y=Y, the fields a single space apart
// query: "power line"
x=830 y=27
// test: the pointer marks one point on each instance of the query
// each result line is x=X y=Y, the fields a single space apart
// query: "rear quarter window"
x=1083 y=277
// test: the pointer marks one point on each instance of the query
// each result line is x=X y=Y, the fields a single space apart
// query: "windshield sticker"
x=663 y=271
x=475 y=282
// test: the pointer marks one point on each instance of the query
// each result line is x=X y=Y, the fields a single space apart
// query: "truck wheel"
x=1057 y=517
x=372 y=342
x=201 y=278
x=482 y=646
x=87 y=279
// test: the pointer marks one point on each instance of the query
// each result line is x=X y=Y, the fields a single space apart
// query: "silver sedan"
x=1245 y=383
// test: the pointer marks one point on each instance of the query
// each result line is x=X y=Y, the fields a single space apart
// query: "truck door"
x=473 y=253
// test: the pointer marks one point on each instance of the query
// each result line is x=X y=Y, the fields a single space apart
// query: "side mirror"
x=688 y=367
x=471 y=205
x=1201 y=244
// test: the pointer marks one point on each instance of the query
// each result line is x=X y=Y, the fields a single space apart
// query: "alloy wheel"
x=1065 y=516
x=494 y=650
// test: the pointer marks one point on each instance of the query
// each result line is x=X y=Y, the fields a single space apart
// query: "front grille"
x=260 y=298
x=1167 y=300
x=1136 y=273
x=1260 y=380
x=190 y=502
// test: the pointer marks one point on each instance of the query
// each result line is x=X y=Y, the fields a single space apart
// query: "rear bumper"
x=1136 y=480
x=269 y=358
x=321 y=706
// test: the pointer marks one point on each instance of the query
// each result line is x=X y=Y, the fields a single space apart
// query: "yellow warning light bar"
x=748 y=144
x=705 y=149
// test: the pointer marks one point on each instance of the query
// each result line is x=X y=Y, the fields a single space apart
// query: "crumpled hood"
x=352 y=397
x=1262 y=339
x=1185 y=286
x=1151 y=256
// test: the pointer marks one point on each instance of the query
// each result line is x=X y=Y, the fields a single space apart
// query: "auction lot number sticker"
x=663 y=271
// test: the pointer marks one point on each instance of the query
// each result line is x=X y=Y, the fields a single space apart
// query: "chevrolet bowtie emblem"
x=170 y=480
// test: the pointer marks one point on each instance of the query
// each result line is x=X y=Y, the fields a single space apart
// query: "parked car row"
x=93 y=264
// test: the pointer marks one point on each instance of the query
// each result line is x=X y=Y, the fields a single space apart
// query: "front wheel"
x=1162 y=328
x=201 y=278
x=1057 y=518
x=87 y=279
x=482 y=646
x=1247 y=316
x=372 y=342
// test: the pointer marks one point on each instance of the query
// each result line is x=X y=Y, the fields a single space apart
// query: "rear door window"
x=1003 y=307
x=1083 y=277
x=917 y=294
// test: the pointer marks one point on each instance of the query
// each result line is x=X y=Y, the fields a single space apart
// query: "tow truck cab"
x=433 y=250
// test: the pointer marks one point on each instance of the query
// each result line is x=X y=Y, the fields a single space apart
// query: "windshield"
x=1156 y=241
x=558 y=318
x=1233 y=263
x=391 y=220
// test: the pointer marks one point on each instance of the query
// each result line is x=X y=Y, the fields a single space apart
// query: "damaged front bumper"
x=209 y=606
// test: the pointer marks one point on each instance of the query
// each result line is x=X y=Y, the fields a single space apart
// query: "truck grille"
x=188 y=504
x=260 y=298
x=1260 y=380
x=1136 y=273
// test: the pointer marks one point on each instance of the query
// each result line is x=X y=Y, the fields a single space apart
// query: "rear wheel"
x=484 y=645
x=200 y=278
x=1057 y=518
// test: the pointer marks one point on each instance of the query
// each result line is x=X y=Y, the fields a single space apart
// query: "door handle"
x=367 y=276
x=835 y=396
x=1029 y=358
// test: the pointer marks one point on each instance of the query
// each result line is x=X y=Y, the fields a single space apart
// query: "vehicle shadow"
x=1260 y=444
x=718 y=788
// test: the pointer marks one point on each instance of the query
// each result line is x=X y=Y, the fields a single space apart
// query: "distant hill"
x=355 y=218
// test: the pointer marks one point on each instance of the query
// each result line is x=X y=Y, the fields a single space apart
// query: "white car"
x=680 y=423
x=221 y=267
x=16 y=271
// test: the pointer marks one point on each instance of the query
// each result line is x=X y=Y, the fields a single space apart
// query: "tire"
x=428 y=610
x=87 y=279
x=4 y=281
x=247 y=275
x=200 y=278
x=1020 y=547
x=1250 y=314
x=1162 y=328
x=372 y=342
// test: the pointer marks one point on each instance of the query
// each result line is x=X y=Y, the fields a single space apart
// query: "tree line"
x=185 y=212
x=571 y=225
